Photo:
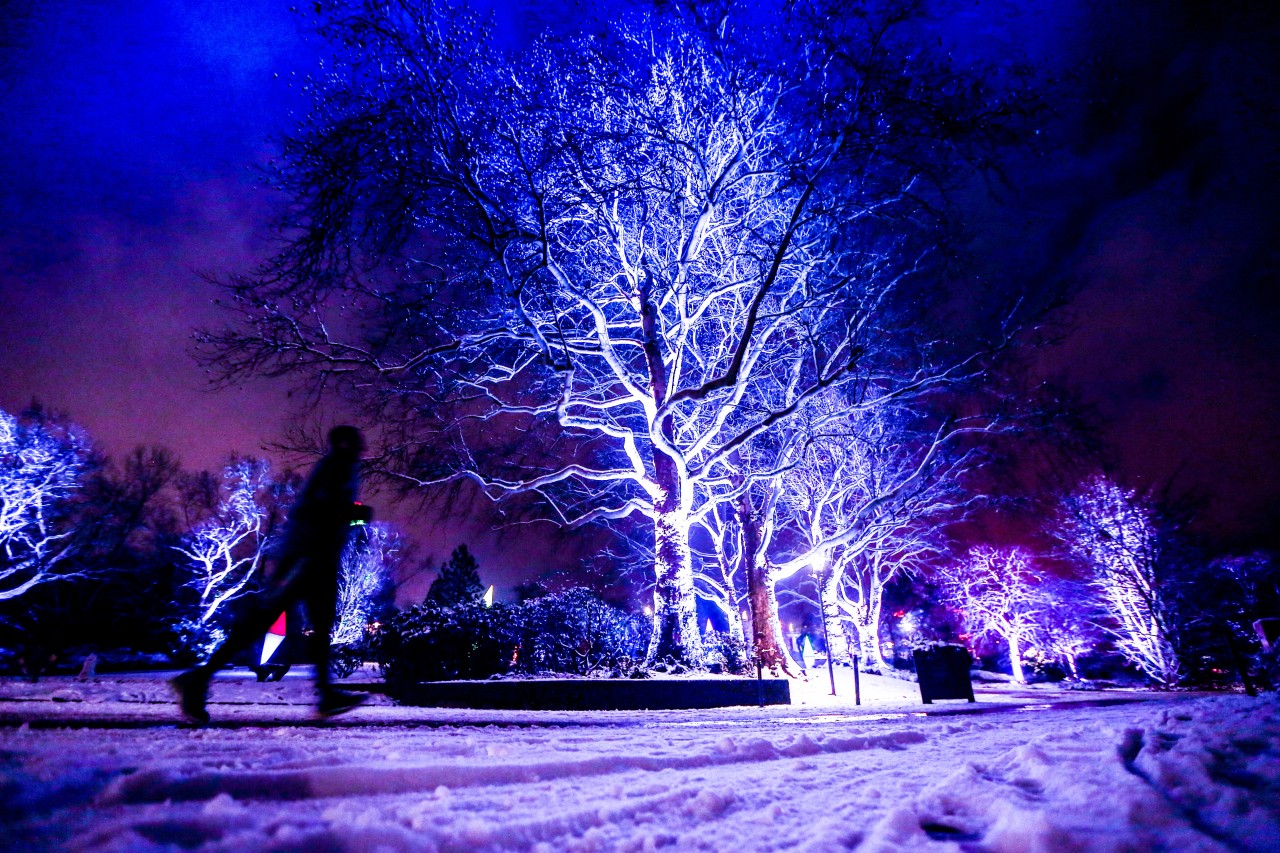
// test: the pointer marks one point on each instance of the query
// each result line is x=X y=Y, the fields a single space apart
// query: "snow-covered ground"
x=1029 y=772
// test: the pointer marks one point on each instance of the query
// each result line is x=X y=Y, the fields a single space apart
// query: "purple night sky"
x=125 y=169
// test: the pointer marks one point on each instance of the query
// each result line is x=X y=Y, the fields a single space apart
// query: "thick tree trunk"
x=833 y=614
x=675 y=610
x=767 y=643
x=866 y=619
x=1015 y=657
x=870 y=658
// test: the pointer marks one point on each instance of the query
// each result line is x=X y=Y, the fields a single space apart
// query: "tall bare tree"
x=367 y=566
x=998 y=592
x=1115 y=532
x=225 y=552
x=867 y=501
x=42 y=467
x=595 y=271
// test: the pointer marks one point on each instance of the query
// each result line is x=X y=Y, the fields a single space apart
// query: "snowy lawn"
x=1027 y=774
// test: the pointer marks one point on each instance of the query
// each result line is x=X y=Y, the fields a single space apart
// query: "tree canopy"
x=611 y=268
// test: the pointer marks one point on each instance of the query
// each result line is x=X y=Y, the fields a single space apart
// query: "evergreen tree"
x=459 y=580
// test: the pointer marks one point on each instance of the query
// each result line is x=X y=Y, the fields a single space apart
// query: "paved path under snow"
x=1173 y=774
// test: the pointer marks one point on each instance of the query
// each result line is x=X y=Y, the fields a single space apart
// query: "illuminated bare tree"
x=600 y=269
x=718 y=564
x=1114 y=531
x=42 y=465
x=997 y=592
x=864 y=572
x=366 y=568
x=1068 y=628
x=225 y=552
x=865 y=503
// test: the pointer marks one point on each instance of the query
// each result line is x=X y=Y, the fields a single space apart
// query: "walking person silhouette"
x=306 y=572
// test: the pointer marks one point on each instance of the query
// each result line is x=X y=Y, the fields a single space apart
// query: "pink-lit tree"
x=1114 y=532
x=998 y=593
x=42 y=467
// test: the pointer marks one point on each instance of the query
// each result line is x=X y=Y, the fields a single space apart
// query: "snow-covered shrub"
x=575 y=632
x=192 y=641
x=434 y=643
x=571 y=632
x=1214 y=604
x=727 y=651
x=346 y=659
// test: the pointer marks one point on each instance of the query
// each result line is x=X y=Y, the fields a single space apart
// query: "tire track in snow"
x=697 y=811
x=150 y=785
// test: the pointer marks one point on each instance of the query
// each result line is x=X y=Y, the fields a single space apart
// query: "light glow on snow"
x=814 y=776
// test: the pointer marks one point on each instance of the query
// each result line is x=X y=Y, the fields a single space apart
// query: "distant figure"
x=306 y=572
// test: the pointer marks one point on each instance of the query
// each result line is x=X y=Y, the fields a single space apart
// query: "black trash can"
x=943 y=672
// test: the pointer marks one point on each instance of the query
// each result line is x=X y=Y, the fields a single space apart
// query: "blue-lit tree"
x=366 y=568
x=1116 y=533
x=224 y=553
x=1068 y=628
x=42 y=467
x=601 y=270
x=866 y=502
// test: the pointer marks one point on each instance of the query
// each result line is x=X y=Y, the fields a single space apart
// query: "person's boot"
x=192 y=688
x=333 y=701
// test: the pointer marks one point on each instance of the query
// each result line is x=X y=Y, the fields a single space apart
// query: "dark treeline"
x=140 y=558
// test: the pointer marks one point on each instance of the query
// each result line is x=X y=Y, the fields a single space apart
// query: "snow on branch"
x=997 y=592
x=42 y=465
x=1115 y=532
x=224 y=554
